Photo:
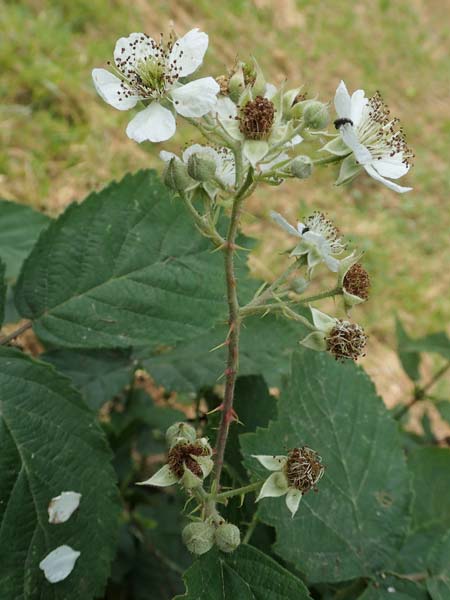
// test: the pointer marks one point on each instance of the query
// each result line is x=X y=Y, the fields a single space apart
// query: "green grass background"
x=58 y=140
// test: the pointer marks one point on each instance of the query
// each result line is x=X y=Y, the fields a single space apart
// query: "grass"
x=59 y=140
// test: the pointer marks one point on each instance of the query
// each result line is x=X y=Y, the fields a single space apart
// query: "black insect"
x=344 y=121
x=305 y=230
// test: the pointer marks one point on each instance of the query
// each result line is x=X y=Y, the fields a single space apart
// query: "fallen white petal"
x=62 y=507
x=196 y=98
x=155 y=124
x=59 y=563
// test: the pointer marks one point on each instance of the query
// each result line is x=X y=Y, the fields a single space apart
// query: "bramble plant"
x=143 y=287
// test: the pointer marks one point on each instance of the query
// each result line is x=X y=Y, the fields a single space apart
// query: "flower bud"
x=236 y=83
x=227 y=537
x=180 y=431
x=201 y=168
x=176 y=176
x=198 y=537
x=299 y=285
x=301 y=167
x=316 y=114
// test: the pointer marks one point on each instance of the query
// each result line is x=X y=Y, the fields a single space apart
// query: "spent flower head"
x=372 y=135
x=319 y=240
x=293 y=475
x=153 y=72
x=354 y=280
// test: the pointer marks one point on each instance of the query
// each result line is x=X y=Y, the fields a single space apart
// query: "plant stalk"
x=16 y=333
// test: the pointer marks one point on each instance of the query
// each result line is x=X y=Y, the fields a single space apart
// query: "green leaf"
x=124 y=268
x=384 y=593
x=439 y=565
x=246 y=574
x=50 y=443
x=266 y=346
x=443 y=407
x=2 y=291
x=438 y=343
x=20 y=227
x=355 y=523
x=98 y=375
x=410 y=359
x=430 y=468
x=389 y=587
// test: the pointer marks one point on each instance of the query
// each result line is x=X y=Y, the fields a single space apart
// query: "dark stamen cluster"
x=357 y=281
x=346 y=340
x=380 y=113
x=303 y=469
x=257 y=118
x=182 y=456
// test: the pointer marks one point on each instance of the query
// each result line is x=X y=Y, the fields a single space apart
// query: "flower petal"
x=275 y=485
x=129 y=51
x=112 y=90
x=390 y=184
x=188 y=52
x=293 y=498
x=62 y=507
x=162 y=478
x=281 y=221
x=270 y=461
x=59 y=563
x=349 y=136
x=322 y=321
x=196 y=98
x=226 y=111
x=155 y=124
x=342 y=101
x=331 y=262
x=357 y=103
x=167 y=156
x=206 y=464
x=391 y=166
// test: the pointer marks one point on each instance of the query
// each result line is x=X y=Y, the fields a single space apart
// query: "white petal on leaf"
x=110 y=89
x=342 y=101
x=275 y=485
x=155 y=124
x=196 y=98
x=390 y=184
x=162 y=478
x=281 y=221
x=62 y=507
x=188 y=51
x=293 y=498
x=271 y=462
x=59 y=563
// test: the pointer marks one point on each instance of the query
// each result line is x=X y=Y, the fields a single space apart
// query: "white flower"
x=293 y=475
x=259 y=125
x=223 y=158
x=150 y=71
x=188 y=463
x=320 y=240
x=367 y=128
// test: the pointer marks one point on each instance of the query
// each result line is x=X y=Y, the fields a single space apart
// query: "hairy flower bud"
x=301 y=167
x=176 y=176
x=198 y=537
x=227 y=537
x=299 y=285
x=346 y=340
x=315 y=114
x=180 y=431
x=201 y=168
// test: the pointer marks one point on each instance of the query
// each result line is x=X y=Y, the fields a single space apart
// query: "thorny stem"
x=16 y=333
x=420 y=392
x=234 y=317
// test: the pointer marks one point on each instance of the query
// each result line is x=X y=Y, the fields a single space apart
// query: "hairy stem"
x=234 y=319
x=251 y=487
x=16 y=333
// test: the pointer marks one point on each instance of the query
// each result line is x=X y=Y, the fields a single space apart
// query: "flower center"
x=256 y=118
x=183 y=455
x=320 y=225
x=357 y=281
x=380 y=132
x=346 y=340
x=147 y=67
x=303 y=469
